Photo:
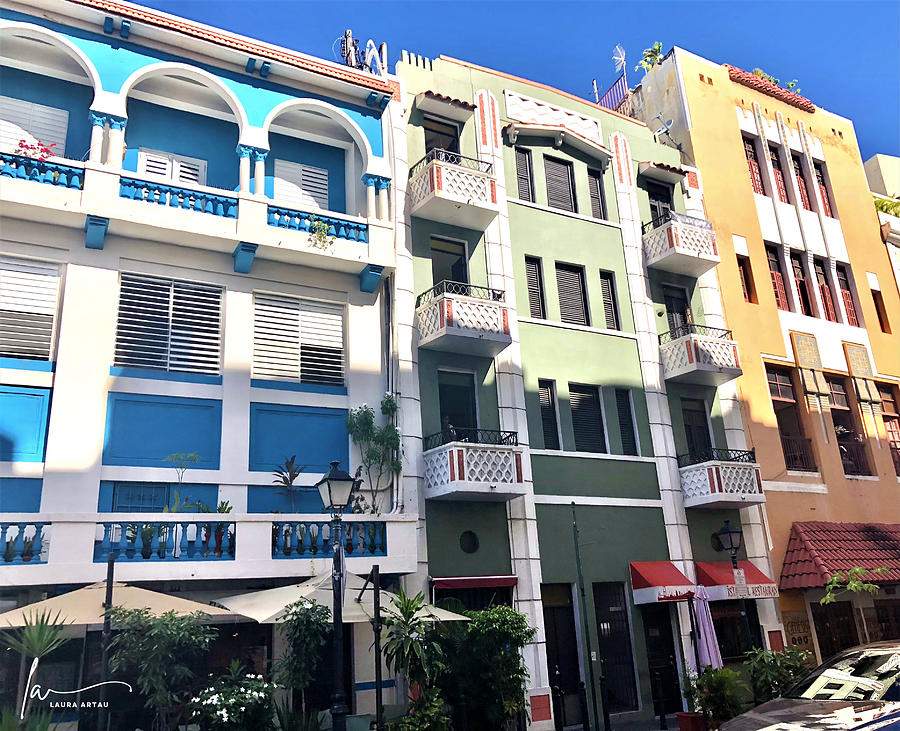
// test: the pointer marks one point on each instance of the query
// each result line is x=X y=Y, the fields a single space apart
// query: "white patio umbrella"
x=269 y=605
x=708 y=645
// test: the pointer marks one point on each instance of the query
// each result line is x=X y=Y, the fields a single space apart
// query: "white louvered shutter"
x=276 y=337
x=301 y=186
x=321 y=343
x=171 y=167
x=155 y=164
x=21 y=120
x=169 y=325
x=189 y=171
x=29 y=292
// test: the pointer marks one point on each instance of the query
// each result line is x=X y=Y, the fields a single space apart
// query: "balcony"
x=473 y=464
x=699 y=354
x=451 y=188
x=680 y=244
x=720 y=478
x=853 y=458
x=463 y=318
x=798 y=454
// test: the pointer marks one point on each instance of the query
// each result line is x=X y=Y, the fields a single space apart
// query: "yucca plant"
x=285 y=476
x=411 y=647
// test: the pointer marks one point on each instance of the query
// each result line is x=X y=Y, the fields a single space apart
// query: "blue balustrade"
x=312 y=539
x=23 y=542
x=41 y=171
x=174 y=196
x=303 y=220
x=193 y=540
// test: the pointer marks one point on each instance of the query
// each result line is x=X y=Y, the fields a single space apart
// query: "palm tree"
x=651 y=57
x=886 y=205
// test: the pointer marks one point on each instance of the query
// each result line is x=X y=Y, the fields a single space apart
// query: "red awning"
x=719 y=579
x=658 y=581
x=473 y=582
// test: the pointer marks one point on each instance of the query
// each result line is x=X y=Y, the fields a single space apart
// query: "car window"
x=864 y=675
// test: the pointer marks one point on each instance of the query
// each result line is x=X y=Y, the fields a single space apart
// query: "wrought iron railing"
x=473 y=436
x=668 y=216
x=895 y=455
x=719 y=455
x=798 y=454
x=853 y=458
x=451 y=158
x=461 y=288
x=690 y=328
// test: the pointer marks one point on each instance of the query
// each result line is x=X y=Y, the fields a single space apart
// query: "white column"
x=259 y=172
x=370 y=196
x=116 y=149
x=98 y=123
x=244 y=173
x=383 y=186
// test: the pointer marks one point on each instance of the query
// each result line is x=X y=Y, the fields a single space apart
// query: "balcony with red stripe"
x=680 y=244
x=699 y=354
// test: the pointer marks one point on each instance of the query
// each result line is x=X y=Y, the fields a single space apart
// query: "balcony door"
x=660 y=201
x=449 y=261
x=677 y=311
x=440 y=135
x=696 y=426
x=458 y=404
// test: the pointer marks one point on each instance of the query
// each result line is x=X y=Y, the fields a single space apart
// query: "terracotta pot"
x=688 y=721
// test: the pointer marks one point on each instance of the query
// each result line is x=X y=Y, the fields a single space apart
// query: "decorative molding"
x=534 y=111
x=369 y=277
x=612 y=502
x=244 y=255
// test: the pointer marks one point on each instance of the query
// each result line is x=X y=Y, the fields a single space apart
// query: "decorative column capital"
x=378 y=181
x=257 y=153
x=369 y=180
x=116 y=122
x=98 y=119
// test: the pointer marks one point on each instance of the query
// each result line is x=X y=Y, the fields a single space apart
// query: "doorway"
x=678 y=313
x=696 y=426
x=614 y=637
x=660 y=202
x=835 y=627
x=562 y=650
x=661 y=658
x=449 y=261
x=458 y=404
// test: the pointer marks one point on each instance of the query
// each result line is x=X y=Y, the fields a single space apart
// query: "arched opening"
x=183 y=127
x=47 y=86
x=317 y=156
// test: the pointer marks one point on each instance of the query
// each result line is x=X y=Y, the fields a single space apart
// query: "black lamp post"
x=335 y=489
x=730 y=538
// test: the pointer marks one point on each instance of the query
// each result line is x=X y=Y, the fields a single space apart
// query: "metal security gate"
x=614 y=637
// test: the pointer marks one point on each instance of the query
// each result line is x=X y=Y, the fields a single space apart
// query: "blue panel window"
x=24 y=413
x=140 y=497
x=315 y=435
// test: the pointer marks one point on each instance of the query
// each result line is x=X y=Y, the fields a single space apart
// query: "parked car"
x=856 y=689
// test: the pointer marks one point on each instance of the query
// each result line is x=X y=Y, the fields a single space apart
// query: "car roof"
x=884 y=645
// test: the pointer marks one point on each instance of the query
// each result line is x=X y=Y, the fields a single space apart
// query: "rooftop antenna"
x=350 y=49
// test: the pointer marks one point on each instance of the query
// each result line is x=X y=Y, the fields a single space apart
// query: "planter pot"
x=219 y=535
x=690 y=721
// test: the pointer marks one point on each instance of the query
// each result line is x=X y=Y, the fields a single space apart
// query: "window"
x=440 y=135
x=449 y=261
x=524 y=178
x=301 y=186
x=825 y=290
x=549 y=425
x=171 y=167
x=587 y=418
x=140 y=497
x=797 y=450
x=746 y=275
x=838 y=393
x=801 y=182
x=848 y=431
x=626 y=421
x=535 y=279
x=298 y=340
x=847 y=295
x=823 y=189
x=21 y=120
x=880 y=310
x=610 y=310
x=28 y=301
x=598 y=199
x=560 y=184
x=891 y=418
x=803 y=291
x=169 y=324
x=660 y=197
x=572 y=299
x=777 y=277
x=780 y=385
x=728 y=624
x=779 y=173
x=753 y=166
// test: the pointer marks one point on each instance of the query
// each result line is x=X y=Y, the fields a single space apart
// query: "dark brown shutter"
x=523 y=174
x=535 y=288
x=559 y=184
x=626 y=422
x=572 y=303
x=548 y=415
x=587 y=419
x=595 y=187
x=607 y=289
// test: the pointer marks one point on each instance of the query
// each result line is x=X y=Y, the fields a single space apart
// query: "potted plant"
x=720 y=694
x=692 y=719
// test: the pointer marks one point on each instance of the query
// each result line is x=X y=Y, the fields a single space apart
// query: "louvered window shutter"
x=276 y=337
x=29 y=293
x=169 y=324
x=572 y=303
x=847 y=295
x=559 y=184
x=173 y=168
x=595 y=187
x=523 y=174
x=321 y=343
x=301 y=186
x=156 y=164
x=587 y=418
x=626 y=422
x=753 y=167
x=607 y=289
x=21 y=120
x=548 y=415
x=190 y=172
x=535 y=288
x=801 y=182
x=779 y=174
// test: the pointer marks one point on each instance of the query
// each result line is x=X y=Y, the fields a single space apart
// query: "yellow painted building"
x=809 y=295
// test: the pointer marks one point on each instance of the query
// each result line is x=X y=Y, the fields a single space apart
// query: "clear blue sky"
x=845 y=53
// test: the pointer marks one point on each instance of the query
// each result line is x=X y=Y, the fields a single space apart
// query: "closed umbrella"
x=708 y=645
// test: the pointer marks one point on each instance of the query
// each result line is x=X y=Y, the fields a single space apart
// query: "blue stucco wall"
x=23 y=423
x=315 y=435
x=171 y=130
x=265 y=499
x=330 y=158
x=74 y=98
x=142 y=430
x=208 y=494
x=20 y=495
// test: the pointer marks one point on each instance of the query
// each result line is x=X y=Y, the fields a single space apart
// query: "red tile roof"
x=229 y=40
x=817 y=549
x=767 y=87
x=449 y=100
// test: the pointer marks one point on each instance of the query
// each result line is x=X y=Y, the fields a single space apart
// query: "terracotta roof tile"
x=767 y=87
x=449 y=100
x=817 y=549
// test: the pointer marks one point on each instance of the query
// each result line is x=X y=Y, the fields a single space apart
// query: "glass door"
x=448 y=261
x=660 y=202
x=677 y=310
x=459 y=409
x=696 y=426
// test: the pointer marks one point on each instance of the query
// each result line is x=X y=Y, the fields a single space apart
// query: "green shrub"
x=719 y=694
x=772 y=673
x=428 y=712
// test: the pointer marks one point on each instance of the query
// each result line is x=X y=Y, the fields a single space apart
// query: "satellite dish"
x=664 y=130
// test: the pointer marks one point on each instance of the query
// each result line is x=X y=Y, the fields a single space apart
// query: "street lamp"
x=730 y=538
x=336 y=489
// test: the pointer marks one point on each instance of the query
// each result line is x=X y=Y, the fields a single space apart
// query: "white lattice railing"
x=693 y=353
x=460 y=467
x=452 y=181
x=463 y=315
x=717 y=482
x=681 y=235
